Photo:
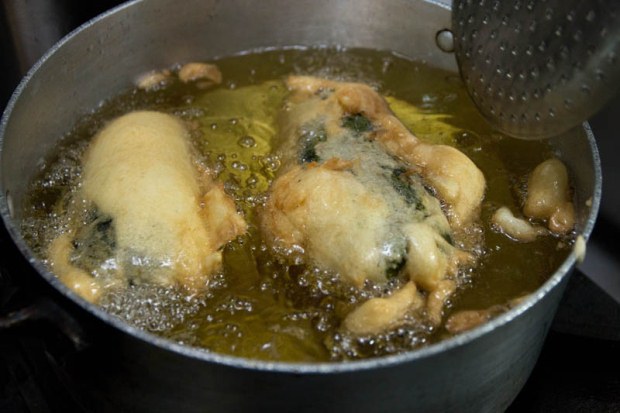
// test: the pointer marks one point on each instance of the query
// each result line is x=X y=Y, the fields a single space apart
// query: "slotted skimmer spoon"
x=537 y=68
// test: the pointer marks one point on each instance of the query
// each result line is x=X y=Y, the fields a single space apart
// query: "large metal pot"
x=481 y=370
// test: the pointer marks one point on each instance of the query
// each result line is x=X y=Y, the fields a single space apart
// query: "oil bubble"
x=247 y=141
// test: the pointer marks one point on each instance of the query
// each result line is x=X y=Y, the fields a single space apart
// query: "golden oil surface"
x=258 y=307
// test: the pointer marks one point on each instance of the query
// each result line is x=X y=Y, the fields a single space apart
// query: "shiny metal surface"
x=535 y=69
x=481 y=370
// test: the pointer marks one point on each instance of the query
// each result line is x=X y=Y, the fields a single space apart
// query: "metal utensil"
x=536 y=68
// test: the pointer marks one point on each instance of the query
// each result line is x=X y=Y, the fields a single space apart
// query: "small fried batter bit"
x=548 y=199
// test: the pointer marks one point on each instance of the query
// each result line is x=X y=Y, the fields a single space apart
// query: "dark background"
x=579 y=368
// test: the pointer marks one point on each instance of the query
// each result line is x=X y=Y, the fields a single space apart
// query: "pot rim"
x=275 y=366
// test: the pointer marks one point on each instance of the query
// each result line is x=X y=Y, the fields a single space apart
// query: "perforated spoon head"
x=537 y=68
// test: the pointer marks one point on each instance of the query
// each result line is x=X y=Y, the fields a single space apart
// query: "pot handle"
x=44 y=309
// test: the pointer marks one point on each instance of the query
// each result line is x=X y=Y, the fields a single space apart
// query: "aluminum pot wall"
x=481 y=370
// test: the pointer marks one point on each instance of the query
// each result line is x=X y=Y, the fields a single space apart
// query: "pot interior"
x=103 y=58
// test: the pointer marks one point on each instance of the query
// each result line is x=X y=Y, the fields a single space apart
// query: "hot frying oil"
x=258 y=307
